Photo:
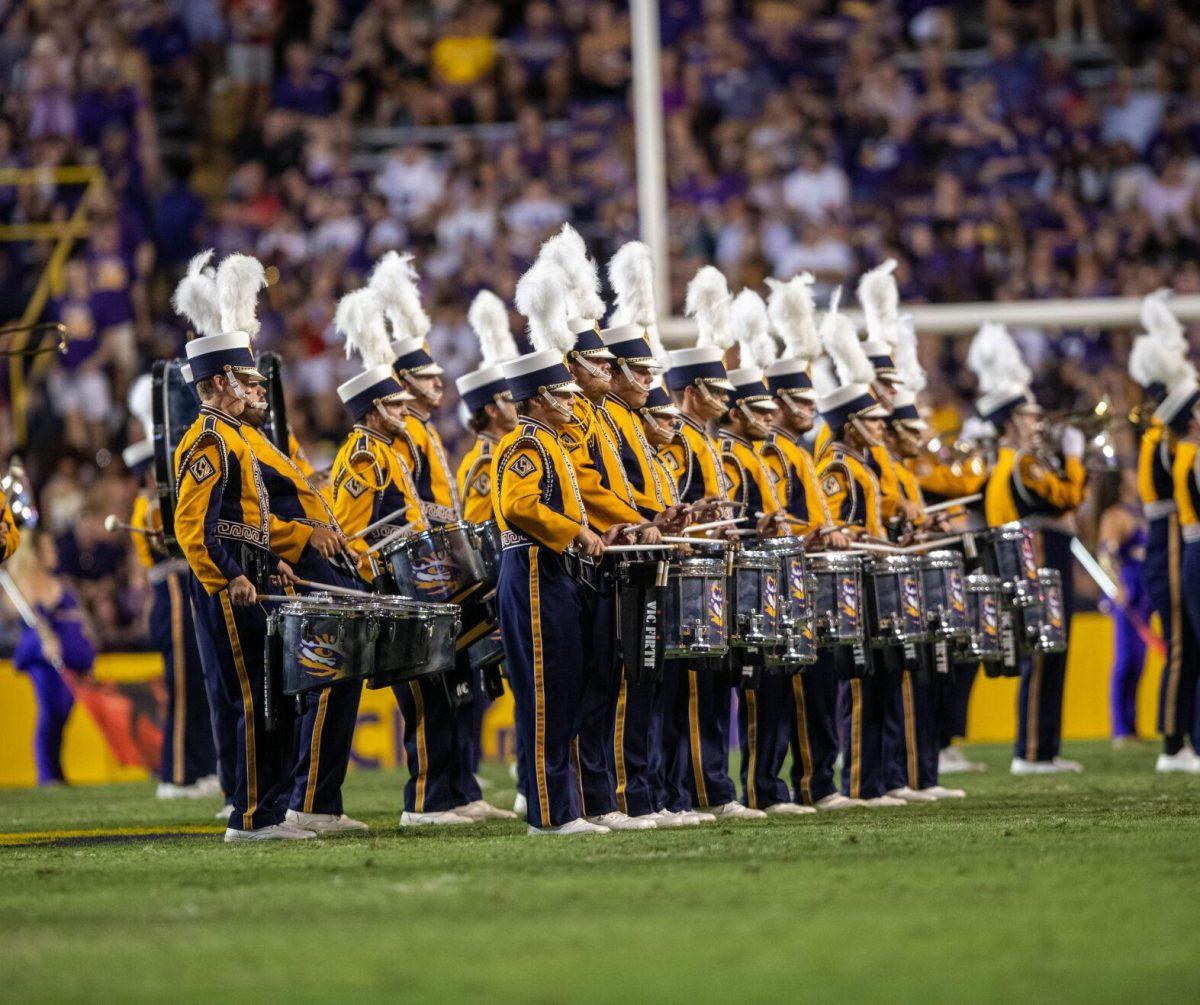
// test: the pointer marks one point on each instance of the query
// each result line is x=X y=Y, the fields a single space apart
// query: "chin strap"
x=554 y=403
x=707 y=396
x=859 y=428
x=589 y=367
x=235 y=386
x=389 y=423
x=420 y=392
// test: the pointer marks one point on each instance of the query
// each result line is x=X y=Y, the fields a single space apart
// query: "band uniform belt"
x=1158 y=509
x=1191 y=533
x=161 y=571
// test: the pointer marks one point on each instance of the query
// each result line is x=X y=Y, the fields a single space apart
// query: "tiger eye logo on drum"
x=321 y=656
x=434 y=576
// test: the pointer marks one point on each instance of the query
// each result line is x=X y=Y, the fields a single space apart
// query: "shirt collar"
x=225 y=416
x=371 y=432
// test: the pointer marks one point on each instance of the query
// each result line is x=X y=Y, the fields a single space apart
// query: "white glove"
x=1072 y=443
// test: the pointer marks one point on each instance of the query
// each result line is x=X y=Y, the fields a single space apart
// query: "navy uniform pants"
x=710 y=707
x=1043 y=676
x=223 y=712
x=670 y=748
x=1190 y=568
x=592 y=749
x=814 y=727
x=263 y=758
x=542 y=621
x=763 y=733
x=188 y=750
x=910 y=731
x=953 y=700
x=862 y=708
x=1163 y=572
x=637 y=722
x=325 y=723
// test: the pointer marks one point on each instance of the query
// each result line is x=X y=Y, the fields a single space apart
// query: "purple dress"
x=1129 y=650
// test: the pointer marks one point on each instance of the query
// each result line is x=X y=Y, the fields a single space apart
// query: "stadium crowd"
x=998 y=150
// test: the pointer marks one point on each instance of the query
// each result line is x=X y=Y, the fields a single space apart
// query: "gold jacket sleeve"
x=519 y=501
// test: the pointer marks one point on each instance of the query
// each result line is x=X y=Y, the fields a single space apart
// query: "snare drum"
x=487 y=534
x=838 y=613
x=895 y=600
x=412 y=639
x=1008 y=552
x=442 y=564
x=798 y=625
x=1052 y=635
x=755 y=600
x=696 y=622
x=945 y=596
x=324 y=640
x=983 y=614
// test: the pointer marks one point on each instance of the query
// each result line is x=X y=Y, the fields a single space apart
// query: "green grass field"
x=1072 y=888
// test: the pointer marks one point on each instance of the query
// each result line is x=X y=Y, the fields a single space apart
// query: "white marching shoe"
x=224 y=813
x=325 y=823
x=481 y=809
x=520 y=806
x=952 y=761
x=432 y=819
x=941 y=792
x=576 y=826
x=168 y=790
x=211 y=785
x=1184 y=761
x=836 y=801
x=736 y=811
x=1057 y=766
x=912 y=795
x=788 y=809
x=884 y=801
x=618 y=821
x=276 y=832
x=665 y=818
x=700 y=816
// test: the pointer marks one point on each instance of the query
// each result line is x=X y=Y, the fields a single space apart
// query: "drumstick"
x=711 y=542
x=951 y=503
x=394 y=536
x=696 y=528
x=111 y=524
x=937 y=542
x=636 y=547
x=326 y=588
x=380 y=523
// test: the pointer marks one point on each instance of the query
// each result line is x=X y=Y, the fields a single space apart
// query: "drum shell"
x=324 y=642
x=838 y=600
x=413 y=639
x=697 y=622
x=945 y=595
x=984 y=595
x=1052 y=630
x=440 y=565
x=798 y=632
x=755 y=603
x=488 y=536
x=1008 y=553
x=895 y=601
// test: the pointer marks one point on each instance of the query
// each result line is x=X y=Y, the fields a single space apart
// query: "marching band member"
x=545 y=533
x=639 y=703
x=559 y=296
x=1157 y=360
x=763 y=725
x=10 y=532
x=440 y=724
x=813 y=713
x=189 y=758
x=700 y=389
x=222 y=523
x=1023 y=486
x=855 y=418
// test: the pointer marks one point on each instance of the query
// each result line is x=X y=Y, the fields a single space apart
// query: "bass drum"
x=174 y=407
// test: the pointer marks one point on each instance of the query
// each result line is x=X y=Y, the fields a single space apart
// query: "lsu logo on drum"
x=912 y=598
x=321 y=656
x=770 y=595
x=958 y=598
x=989 y=615
x=716 y=604
x=435 y=577
x=796 y=580
x=1054 y=608
x=848 y=599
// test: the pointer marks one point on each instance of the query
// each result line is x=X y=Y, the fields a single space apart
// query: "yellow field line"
x=19 y=838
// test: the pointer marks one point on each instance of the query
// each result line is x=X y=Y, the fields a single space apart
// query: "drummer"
x=763 y=725
x=1026 y=484
x=813 y=713
x=438 y=728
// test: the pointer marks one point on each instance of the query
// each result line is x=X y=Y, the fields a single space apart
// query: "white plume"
x=879 y=298
x=360 y=318
x=752 y=326
x=488 y=318
x=794 y=315
x=1158 y=320
x=395 y=279
x=908 y=362
x=657 y=349
x=1154 y=361
x=996 y=361
x=840 y=340
x=708 y=302
x=823 y=378
x=196 y=296
x=976 y=430
x=141 y=407
x=239 y=280
x=567 y=250
x=631 y=273
x=541 y=297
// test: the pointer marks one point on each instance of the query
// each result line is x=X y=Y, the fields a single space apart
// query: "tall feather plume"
x=1158 y=320
x=996 y=361
x=794 y=316
x=541 y=297
x=567 y=250
x=141 y=398
x=395 y=279
x=823 y=378
x=196 y=296
x=908 y=363
x=488 y=318
x=631 y=273
x=879 y=298
x=360 y=318
x=240 y=278
x=657 y=349
x=1153 y=361
x=708 y=302
x=753 y=330
x=840 y=340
